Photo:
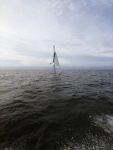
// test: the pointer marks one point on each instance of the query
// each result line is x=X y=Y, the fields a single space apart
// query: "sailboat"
x=55 y=60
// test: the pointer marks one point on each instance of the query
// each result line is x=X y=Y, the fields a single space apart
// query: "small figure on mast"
x=55 y=59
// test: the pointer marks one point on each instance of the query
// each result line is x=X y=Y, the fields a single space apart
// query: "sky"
x=81 y=30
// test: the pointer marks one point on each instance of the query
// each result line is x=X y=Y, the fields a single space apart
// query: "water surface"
x=68 y=111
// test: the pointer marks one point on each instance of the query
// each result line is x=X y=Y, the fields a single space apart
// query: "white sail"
x=56 y=60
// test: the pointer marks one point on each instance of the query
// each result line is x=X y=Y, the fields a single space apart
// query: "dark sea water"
x=68 y=111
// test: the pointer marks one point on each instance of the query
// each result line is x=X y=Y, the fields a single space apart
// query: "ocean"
x=72 y=110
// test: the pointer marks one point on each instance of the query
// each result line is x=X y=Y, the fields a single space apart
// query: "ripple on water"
x=43 y=111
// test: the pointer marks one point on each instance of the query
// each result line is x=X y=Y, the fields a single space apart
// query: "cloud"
x=28 y=29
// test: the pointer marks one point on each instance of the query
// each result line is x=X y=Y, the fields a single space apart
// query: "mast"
x=54 y=59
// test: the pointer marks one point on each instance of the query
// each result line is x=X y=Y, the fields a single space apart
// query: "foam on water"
x=105 y=122
x=91 y=142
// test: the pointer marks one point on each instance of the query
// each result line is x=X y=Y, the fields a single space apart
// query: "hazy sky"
x=82 y=31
